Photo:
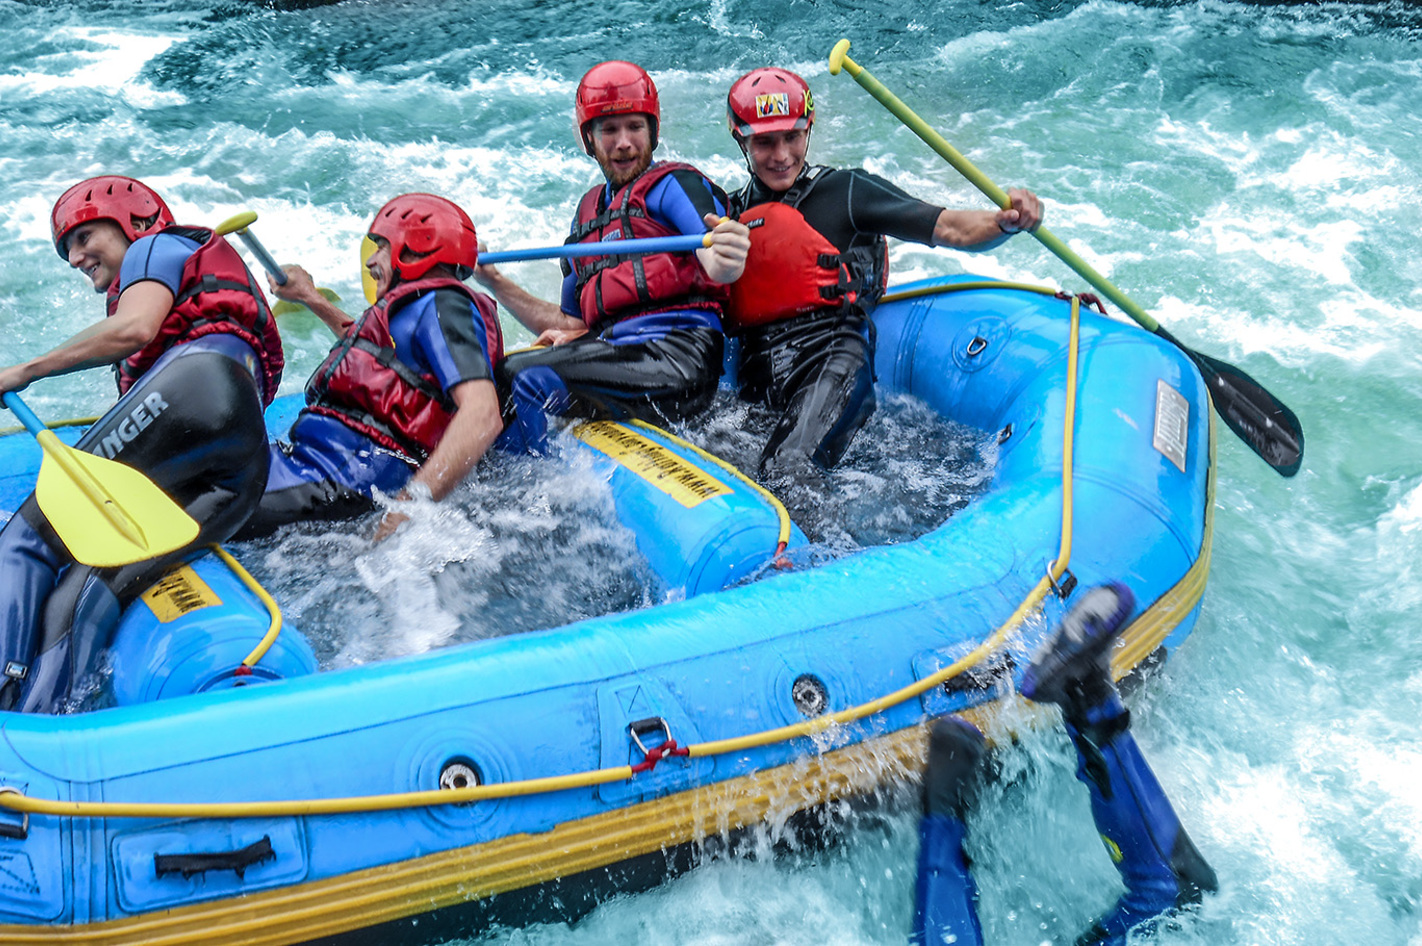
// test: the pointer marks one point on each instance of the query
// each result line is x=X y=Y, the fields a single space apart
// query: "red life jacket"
x=612 y=288
x=368 y=388
x=215 y=294
x=792 y=268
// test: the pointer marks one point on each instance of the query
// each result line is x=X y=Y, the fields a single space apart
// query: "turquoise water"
x=1248 y=173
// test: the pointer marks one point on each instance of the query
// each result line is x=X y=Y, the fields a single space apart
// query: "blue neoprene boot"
x=945 y=897
x=79 y=622
x=1161 y=867
x=30 y=568
x=535 y=391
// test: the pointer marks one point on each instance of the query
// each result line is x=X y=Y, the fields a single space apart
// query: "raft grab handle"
x=203 y=861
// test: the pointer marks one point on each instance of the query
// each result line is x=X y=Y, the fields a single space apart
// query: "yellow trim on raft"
x=409 y=888
x=268 y=602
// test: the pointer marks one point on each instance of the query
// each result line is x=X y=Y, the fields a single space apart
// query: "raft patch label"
x=179 y=592
x=1172 y=423
x=682 y=481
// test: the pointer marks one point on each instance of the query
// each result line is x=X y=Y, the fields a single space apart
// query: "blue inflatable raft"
x=327 y=806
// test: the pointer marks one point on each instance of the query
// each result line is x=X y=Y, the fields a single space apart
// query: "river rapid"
x=1249 y=173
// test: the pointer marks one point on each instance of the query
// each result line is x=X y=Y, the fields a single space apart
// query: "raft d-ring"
x=648 y=725
x=1066 y=586
x=977 y=346
x=20 y=831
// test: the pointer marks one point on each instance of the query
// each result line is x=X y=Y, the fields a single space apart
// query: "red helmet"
x=423 y=230
x=123 y=200
x=616 y=88
x=769 y=99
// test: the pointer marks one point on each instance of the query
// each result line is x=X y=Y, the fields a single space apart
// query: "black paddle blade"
x=1260 y=419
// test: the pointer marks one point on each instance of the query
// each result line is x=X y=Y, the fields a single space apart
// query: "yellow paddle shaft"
x=839 y=59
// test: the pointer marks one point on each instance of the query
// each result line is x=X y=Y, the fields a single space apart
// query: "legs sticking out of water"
x=1162 y=869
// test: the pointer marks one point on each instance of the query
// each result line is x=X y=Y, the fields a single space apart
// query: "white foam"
x=114 y=66
x=1404 y=518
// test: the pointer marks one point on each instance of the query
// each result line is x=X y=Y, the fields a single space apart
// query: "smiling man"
x=633 y=336
x=817 y=265
x=197 y=354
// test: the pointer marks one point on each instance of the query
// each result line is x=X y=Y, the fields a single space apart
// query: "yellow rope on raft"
x=12 y=798
x=267 y=600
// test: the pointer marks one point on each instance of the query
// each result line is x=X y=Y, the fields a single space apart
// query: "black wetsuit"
x=192 y=423
x=817 y=369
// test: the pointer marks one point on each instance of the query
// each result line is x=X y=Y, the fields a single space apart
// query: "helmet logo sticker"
x=772 y=104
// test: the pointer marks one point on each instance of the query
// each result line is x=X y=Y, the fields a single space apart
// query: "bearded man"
x=636 y=335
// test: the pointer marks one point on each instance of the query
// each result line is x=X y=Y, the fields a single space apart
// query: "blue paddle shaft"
x=265 y=258
x=20 y=410
x=672 y=244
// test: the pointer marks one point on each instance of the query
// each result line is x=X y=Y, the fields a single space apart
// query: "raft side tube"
x=996 y=359
x=700 y=526
x=191 y=631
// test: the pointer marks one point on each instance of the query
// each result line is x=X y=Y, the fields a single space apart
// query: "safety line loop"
x=657 y=753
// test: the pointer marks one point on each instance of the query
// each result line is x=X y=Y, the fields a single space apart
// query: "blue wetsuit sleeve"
x=160 y=257
x=448 y=339
x=681 y=199
x=569 y=302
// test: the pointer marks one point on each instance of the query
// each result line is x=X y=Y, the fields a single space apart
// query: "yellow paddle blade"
x=106 y=513
x=285 y=307
x=237 y=223
x=367 y=281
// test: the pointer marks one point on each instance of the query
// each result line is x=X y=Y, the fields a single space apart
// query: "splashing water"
x=1249 y=173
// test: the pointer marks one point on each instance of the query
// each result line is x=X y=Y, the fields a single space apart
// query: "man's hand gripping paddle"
x=669 y=244
x=239 y=225
x=106 y=513
x=1258 y=418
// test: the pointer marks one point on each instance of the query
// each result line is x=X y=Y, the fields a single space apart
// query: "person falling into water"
x=405 y=401
x=633 y=336
x=1160 y=865
x=197 y=356
x=817 y=265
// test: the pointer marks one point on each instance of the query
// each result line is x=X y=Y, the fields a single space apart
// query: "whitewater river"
x=1249 y=173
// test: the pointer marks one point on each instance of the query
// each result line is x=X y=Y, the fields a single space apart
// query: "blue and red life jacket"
x=216 y=293
x=612 y=288
x=365 y=385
